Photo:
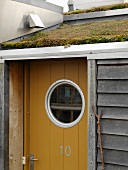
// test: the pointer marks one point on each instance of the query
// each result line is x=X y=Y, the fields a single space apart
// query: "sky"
x=62 y=3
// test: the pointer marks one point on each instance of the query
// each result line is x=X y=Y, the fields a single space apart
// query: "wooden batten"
x=26 y=114
x=15 y=115
x=92 y=96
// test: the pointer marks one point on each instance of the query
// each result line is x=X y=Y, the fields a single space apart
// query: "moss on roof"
x=88 y=33
x=99 y=8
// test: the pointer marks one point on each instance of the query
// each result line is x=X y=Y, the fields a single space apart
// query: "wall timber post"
x=92 y=137
x=15 y=115
x=4 y=116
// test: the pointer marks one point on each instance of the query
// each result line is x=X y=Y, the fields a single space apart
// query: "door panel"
x=56 y=148
x=71 y=162
x=56 y=134
x=44 y=126
x=83 y=125
x=26 y=114
x=34 y=111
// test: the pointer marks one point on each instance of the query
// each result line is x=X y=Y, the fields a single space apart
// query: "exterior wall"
x=13 y=17
x=112 y=98
x=4 y=116
x=108 y=91
x=42 y=4
x=84 y=4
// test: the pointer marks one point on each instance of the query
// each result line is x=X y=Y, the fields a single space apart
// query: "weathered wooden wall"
x=4 y=116
x=112 y=98
x=15 y=115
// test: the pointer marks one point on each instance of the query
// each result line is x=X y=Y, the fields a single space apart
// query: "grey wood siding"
x=114 y=157
x=115 y=86
x=112 y=72
x=114 y=142
x=113 y=61
x=112 y=167
x=112 y=98
x=114 y=112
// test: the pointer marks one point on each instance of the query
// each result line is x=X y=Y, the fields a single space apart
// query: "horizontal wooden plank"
x=114 y=142
x=116 y=127
x=114 y=157
x=114 y=112
x=112 y=167
x=113 y=100
x=112 y=86
x=113 y=72
x=113 y=61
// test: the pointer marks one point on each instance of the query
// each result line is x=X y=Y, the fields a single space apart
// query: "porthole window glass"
x=65 y=103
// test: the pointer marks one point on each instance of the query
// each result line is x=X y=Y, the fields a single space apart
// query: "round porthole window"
x=65 y=103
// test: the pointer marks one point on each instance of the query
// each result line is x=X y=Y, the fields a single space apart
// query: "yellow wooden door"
x=55 y=148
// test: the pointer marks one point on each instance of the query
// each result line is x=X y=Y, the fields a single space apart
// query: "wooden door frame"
x=92 y=129
x=16 y=112
x=4 y=116
x=15 y=115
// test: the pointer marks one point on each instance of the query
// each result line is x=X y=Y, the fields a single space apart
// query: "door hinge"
x=23 y=160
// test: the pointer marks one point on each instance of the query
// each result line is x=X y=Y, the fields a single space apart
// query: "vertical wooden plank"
x=33 y=109
x=43 y=125
x=92 y=84
x=20 y=117
x=71 y=134
x=26 y=114
x=56 y=133
x=16 y=116
x=83 y=125
x=4 y=116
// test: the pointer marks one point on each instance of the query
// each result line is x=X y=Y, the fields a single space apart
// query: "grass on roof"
x=100 y=8
x=103 y=28
x=93 y=32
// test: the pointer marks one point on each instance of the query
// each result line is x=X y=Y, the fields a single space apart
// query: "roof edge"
x=94 y=15
x=91 y=51
x=42 y=4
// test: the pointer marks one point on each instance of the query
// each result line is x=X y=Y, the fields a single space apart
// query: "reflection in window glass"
x=66 y=103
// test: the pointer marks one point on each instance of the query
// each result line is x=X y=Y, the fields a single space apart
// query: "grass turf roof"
x=88 y=33
x=99 y=8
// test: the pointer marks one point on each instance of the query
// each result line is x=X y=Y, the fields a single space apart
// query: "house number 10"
x=67 y=150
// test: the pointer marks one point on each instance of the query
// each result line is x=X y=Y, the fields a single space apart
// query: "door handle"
x=32 y=159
